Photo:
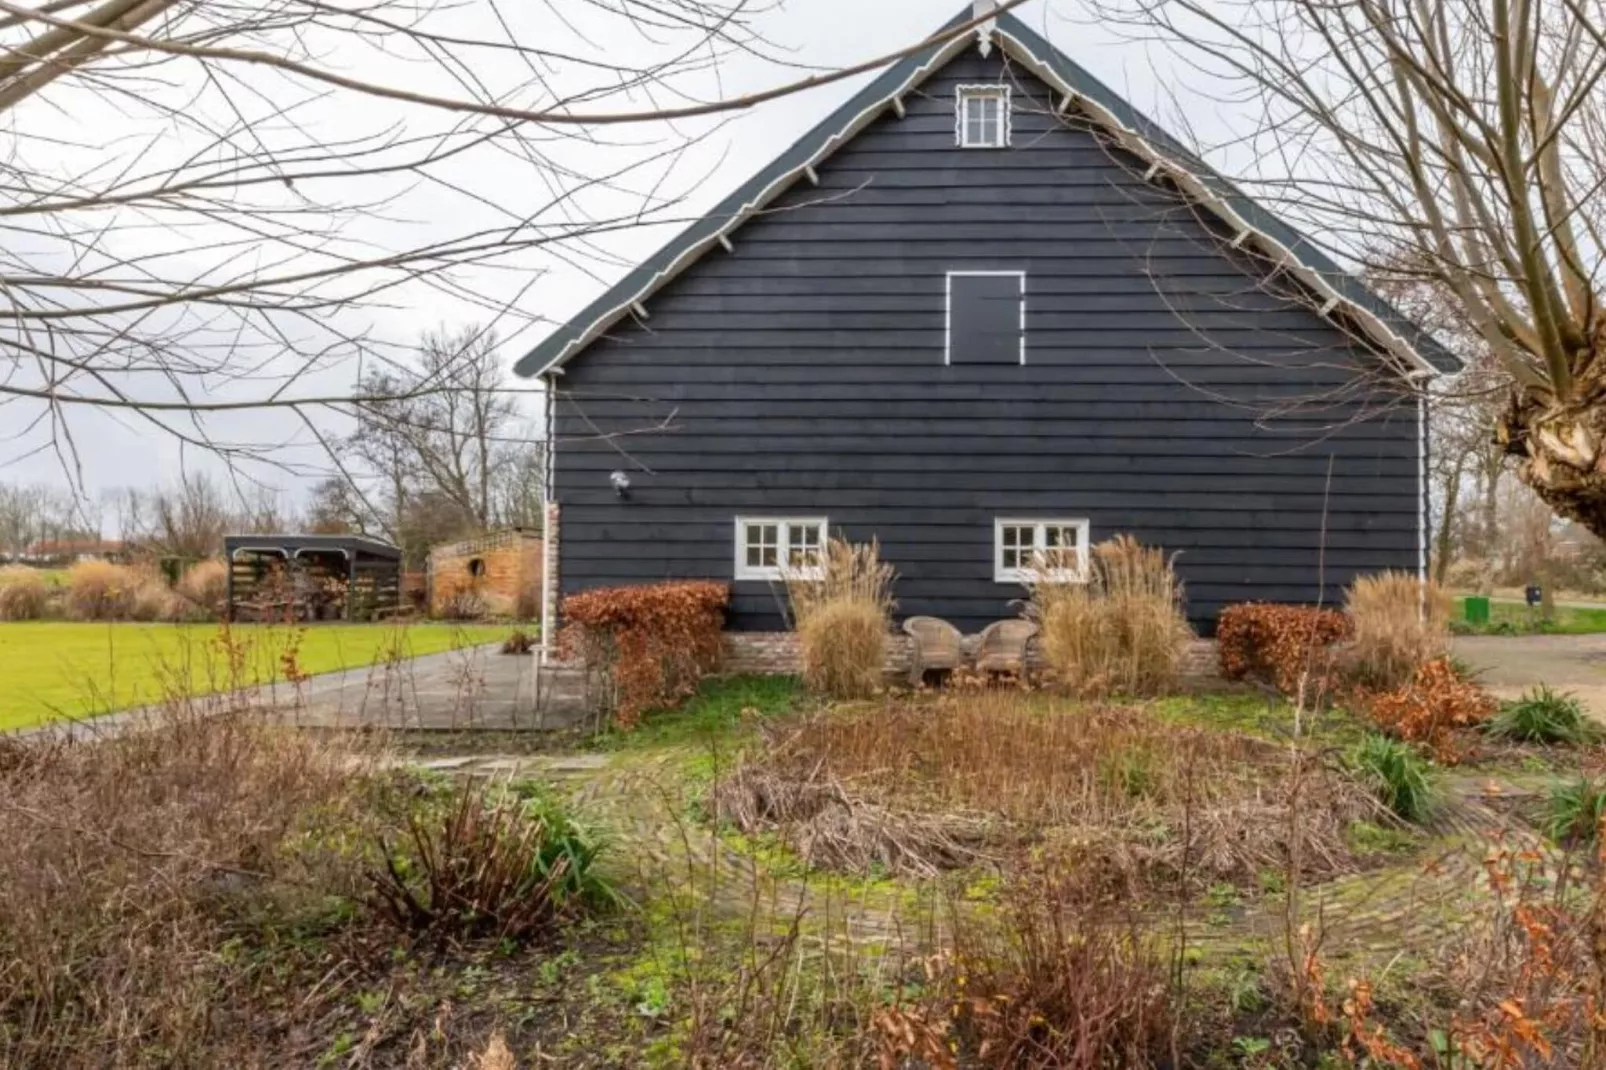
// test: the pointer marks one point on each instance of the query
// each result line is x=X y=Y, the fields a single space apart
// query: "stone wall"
x=779 y=652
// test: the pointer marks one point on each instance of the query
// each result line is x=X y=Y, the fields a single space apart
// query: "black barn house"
x=982 y=309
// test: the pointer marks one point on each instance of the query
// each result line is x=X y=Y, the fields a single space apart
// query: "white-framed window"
x=985 y=322
x=1031 y=550
x=775 y=547
x=981 y=117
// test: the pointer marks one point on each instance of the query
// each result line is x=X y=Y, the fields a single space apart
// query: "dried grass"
x=128 y=860
x=205 y=584
x=924 y=785
x=833 y=828
x=1124 y=630
x=1400 y=621
x=153 y=600
x=1059 y=977
x=843 y=618
x=24 y=595
x=100 y=590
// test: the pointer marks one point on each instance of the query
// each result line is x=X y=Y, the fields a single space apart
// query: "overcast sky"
x=536 y=290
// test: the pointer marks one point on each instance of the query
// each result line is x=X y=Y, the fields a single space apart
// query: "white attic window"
x=981 y=117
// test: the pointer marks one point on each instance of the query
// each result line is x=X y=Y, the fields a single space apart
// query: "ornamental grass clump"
x=100 y=590
x=1400 y=622
x=24 y=594
x=1123 y=629
x=205 y=584
x=1545 y=716
x=842 y=611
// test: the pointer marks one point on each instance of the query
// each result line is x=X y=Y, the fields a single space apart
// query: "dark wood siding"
x=1171 y=390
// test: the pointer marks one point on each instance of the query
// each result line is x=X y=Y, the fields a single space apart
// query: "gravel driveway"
x=1510 y=664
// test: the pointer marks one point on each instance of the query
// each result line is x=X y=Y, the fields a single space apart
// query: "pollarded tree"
x=1465 y=138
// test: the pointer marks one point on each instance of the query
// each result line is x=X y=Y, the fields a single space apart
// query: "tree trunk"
x=1452 y=497
x=1559 y=453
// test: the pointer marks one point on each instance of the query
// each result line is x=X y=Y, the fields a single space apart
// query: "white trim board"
x=948 y=309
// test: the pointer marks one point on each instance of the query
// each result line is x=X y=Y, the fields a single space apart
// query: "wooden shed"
x=493 y=575
x=311 y=577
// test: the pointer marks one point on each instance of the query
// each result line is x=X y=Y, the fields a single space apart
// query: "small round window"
x=476 y=567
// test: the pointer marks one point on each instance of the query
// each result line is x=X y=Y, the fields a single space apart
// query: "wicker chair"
x=1002 y=647
x=935 y=647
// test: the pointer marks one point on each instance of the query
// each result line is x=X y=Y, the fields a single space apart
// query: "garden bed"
x=918 y=785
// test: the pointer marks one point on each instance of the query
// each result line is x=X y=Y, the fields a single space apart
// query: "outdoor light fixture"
x=621 y=484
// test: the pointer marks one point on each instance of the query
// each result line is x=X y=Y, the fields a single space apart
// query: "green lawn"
x=51 y=670
x=1516 y=616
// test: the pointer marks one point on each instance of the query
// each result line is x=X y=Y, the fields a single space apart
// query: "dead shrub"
x=1399 y=622
x=843 y=616
x=100 y=590
x=24 y=595
x=649 y=645
x=1055 y=977
x=1288 y=647
x=128 y=863
x=924 y=785
x=1431 y=708
x=205 y=584
x=1123 y=630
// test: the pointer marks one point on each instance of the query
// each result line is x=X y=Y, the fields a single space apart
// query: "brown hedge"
x=651 y=643
x=1278 y=644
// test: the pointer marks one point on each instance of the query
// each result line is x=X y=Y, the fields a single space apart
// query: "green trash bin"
x=1477 y=609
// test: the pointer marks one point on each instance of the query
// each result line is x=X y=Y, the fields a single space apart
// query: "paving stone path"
x=632 y=798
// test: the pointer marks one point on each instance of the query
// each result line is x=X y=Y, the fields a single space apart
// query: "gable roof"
x=1418 y=352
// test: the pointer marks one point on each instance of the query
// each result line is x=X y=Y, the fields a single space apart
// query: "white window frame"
x=783 y=535
x=948 y=311
x=995 y=91
x=1039 y=526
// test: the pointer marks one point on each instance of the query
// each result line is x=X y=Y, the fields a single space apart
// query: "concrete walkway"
x=473 y=689
x=1510 y=664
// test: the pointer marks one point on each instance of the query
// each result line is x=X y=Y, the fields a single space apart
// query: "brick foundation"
x=778 y=652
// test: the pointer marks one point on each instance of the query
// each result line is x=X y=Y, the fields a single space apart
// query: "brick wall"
x=501 y=572
x=778 y=652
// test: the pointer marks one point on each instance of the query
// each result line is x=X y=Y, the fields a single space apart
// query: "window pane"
x=755 y=557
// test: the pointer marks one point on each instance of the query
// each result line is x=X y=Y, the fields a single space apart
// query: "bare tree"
x=31 y=514
x=231 y=223
x=187 y=519
x=1457 y=144
x=465 y=446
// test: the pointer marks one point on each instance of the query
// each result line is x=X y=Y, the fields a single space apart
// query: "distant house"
x=70 y=550
x=984 y=310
